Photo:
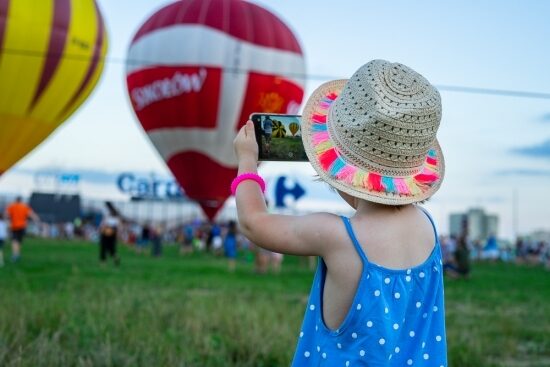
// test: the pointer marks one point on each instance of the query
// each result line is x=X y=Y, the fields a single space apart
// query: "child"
x=377 y=296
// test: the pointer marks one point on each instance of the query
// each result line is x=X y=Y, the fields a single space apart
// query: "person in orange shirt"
x=18 y=213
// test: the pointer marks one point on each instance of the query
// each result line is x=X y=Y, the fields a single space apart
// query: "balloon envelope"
x=51 y=55
x=196 y=71
x=293 y=127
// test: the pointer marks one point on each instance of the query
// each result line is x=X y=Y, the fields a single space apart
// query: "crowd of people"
x=110 y=228
x=459 y=252
x=224 y=239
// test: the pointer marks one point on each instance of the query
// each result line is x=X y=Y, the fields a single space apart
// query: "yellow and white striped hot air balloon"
x=51 y=57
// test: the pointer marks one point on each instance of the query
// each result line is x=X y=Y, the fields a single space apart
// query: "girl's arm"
x=299 y=235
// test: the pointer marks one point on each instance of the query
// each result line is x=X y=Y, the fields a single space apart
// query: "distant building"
x=480 y=224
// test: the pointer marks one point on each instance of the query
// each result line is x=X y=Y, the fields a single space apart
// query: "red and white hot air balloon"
x=196 y=70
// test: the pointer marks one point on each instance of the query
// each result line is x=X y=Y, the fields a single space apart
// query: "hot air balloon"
x=51 y=55
x=279 y=129
x=293 y=127
x=196 y=70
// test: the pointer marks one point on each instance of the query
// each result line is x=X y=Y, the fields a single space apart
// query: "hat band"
x=332 y=161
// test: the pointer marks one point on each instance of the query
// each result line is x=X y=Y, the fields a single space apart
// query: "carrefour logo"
x=152 y=187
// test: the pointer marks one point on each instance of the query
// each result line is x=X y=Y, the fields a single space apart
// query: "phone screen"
x=279 y=137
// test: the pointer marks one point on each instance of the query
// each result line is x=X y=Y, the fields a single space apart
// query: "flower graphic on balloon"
x=271 y=102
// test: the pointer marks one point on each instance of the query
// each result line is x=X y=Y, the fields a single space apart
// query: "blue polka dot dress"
x=397 y=318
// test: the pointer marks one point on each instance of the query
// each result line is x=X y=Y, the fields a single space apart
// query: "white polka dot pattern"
x=394 y=318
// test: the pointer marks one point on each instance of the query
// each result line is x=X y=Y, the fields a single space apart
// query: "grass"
x=58 y=307
x=287 y=148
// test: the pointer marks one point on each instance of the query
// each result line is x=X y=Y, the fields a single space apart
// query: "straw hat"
x=374 y=136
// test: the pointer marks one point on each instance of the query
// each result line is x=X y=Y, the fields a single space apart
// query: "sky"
x=496 y=147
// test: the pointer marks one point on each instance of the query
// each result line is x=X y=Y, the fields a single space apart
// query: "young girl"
x=377 y=295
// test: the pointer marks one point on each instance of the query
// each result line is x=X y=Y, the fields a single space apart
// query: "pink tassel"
x=327 y=158
x=324 y=105
x=426 y=178
x=319 y=138
x=431 y=161
x=401 y=186
x=347 y=173
x=374 y=182
x=319 y=118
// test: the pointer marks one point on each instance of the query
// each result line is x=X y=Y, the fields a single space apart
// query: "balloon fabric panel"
x=269 y=94
x=149 y=86
x=196 y=71
x=49 y=63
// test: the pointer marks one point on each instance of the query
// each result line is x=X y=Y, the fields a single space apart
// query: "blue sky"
x=493 y=144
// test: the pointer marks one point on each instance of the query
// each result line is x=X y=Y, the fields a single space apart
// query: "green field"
x=58 y=307
x=288 y=148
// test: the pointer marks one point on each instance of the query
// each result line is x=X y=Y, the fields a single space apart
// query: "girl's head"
x=373 y=137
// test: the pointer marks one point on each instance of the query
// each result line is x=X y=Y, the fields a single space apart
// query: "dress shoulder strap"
x=353 y=238
x=431 y=221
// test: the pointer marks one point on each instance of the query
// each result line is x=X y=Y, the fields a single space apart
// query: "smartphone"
x=279 y=137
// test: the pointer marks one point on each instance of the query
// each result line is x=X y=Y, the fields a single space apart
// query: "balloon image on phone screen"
x=279 y=137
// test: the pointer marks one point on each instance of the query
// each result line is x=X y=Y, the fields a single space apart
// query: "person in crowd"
x=188 y=237
x=276 y=260
x=267 y=131
x=216 y=241
x=156 y=240
x=144 y=238
x=109 y=228
x=448 y=249
x=491 y=250
x=377 y=295
x=18 y=213
x=461 y=266
x=546 y=256
x=230 y=245
x=3 y=237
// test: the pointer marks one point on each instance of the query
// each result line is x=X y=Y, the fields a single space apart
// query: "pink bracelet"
x=244 y=177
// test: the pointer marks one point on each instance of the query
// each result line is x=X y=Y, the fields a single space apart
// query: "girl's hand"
x=245 y=144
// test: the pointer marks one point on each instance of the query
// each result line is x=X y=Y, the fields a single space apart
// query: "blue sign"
x=281 y=191
x=151 y=188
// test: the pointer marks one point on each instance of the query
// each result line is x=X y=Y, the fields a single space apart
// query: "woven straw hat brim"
x=382 y=197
